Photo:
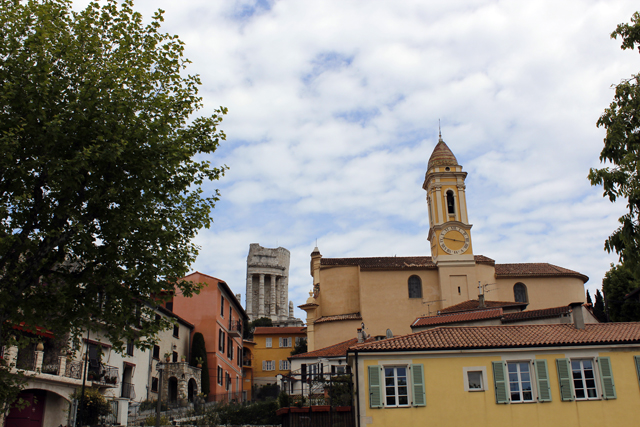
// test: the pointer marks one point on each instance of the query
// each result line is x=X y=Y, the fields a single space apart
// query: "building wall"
x=444 y=378
x=276 y=353
x=204 y=312
x=543 y=292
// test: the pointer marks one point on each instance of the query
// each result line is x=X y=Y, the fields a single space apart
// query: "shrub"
x=94 y=406
x=151 y=420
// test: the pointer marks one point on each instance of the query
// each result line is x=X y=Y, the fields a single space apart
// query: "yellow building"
x=490 y=376
x=389 y=293
x=273 y=346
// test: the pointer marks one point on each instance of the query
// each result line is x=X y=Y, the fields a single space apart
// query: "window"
x=220 y=375
x=520 y=293
x=230 y=348
x=284 y=365
x=268 y=365
x=176 y=331
x=174 y=356
x=514 y=381
x=221 y=305
x=520 y=382
x=299 y=340
x=340 y=370
x=130 y=347
x=268 y=343
x=221 y=338
x=451 y=209
x=154 y=384
x=156 y=352
x=230 y=316
x=285 y=342
x=415 y=287
x=227 y=381
x=395 y=387
x=577 y=378
x=584 y=380
x=394 y=391
x=474 y=378
x=239 y=356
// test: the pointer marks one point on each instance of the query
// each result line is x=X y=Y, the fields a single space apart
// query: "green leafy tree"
x=199 y=351
x=617 y=283
x=622 y=149
x=599 y=309
x=300 y=347
x=94 y=406
x=101 y=171
x=589 y=300
x=251 y=326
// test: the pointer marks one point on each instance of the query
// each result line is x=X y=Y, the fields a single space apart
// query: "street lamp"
x=159 y=368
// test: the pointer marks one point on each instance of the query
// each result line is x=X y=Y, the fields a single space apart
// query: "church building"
x=387 y=294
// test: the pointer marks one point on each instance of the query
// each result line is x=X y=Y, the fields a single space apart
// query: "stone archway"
x=192 y=389
x=172 y=395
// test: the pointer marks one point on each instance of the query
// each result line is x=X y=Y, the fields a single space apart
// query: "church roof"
x=512 y=336
x=536 y=269
x=278 y=330
x=400 y=262
x=442 y=156
x=474 y=305
x=338 y=317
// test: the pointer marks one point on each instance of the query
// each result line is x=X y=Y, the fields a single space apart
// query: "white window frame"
x=285 y=365
x=396 y=386
x=520 y=381
x=483 y=378
x=582 y=379
x=268 y=343
x=285 y=341
x=268 y=365
x=220 y=375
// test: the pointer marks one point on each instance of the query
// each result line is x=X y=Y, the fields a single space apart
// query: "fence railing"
x=128 y=390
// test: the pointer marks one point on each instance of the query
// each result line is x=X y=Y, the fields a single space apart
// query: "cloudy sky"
x=334 y=109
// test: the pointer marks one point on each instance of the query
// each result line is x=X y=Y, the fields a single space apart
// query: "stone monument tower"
x=267 y=292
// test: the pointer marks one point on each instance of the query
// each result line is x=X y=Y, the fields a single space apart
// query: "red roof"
x=335 y=350
x=275 y=330
x=536 y=314
x=465 y=316
x=475 y=337
x=351 y=316
x=474 y=305
x=538 y=269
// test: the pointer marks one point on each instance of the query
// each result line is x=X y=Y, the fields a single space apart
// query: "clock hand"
x=455 y=240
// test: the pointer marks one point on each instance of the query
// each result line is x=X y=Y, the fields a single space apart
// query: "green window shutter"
x=606 y=378
x=564 y=378
x=417 y=377
x=375 y=393
x=542 y=378
x=637 y=360
x=500 y=382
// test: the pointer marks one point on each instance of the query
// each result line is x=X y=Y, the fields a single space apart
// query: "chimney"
x=576 y=312
x=360 y=335
x=481 y=301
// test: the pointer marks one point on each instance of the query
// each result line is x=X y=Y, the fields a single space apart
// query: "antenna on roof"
x=439 y=131
x=429 y=305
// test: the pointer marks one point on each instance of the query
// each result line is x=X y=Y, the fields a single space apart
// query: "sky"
x=334 y=109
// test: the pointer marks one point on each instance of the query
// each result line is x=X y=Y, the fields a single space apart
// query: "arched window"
x=451 y=207
x=415 y=287
x=520 y=292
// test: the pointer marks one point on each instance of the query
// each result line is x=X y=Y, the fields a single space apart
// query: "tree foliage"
x=199 y=350
x=300 y=347
x=599 y=309
x=617 y=283
x=622 y=149
x=102 y=168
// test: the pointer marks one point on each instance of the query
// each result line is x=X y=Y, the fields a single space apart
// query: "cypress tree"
x=198 y=349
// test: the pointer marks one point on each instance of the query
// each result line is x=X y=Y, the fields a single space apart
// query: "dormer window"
x=450 y=203
x=520 y=293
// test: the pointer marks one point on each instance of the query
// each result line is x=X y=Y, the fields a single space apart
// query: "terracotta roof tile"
x=536 y=314
x=538 y=269
x=351 y=316
x=473 y=337
x=274 y=330
x=465 y=316
x=442 y=156
x=335 y=350
x=400 y=262
x=308 y=305
x=473 y=305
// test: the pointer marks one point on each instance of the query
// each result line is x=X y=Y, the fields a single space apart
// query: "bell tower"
x=449 y=228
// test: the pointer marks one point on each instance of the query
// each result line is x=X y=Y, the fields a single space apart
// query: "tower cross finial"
x=439 y=131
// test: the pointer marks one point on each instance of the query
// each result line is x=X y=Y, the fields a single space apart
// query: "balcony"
x=128 y=391
x=101 y=374
x=235 y=329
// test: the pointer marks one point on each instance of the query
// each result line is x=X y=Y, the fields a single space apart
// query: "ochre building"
x=388 y=294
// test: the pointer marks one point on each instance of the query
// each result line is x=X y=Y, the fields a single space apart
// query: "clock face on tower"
x=454 y=240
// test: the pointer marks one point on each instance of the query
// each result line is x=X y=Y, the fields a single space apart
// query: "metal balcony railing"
x=128 y=390
x=235 y=328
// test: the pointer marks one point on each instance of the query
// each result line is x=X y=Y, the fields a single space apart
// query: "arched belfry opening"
x=451 y=203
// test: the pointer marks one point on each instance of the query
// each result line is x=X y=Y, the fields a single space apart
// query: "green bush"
x=283 y=400
x=259 y=413
x=94 y=406
x=151 y=421
x=146 y=405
